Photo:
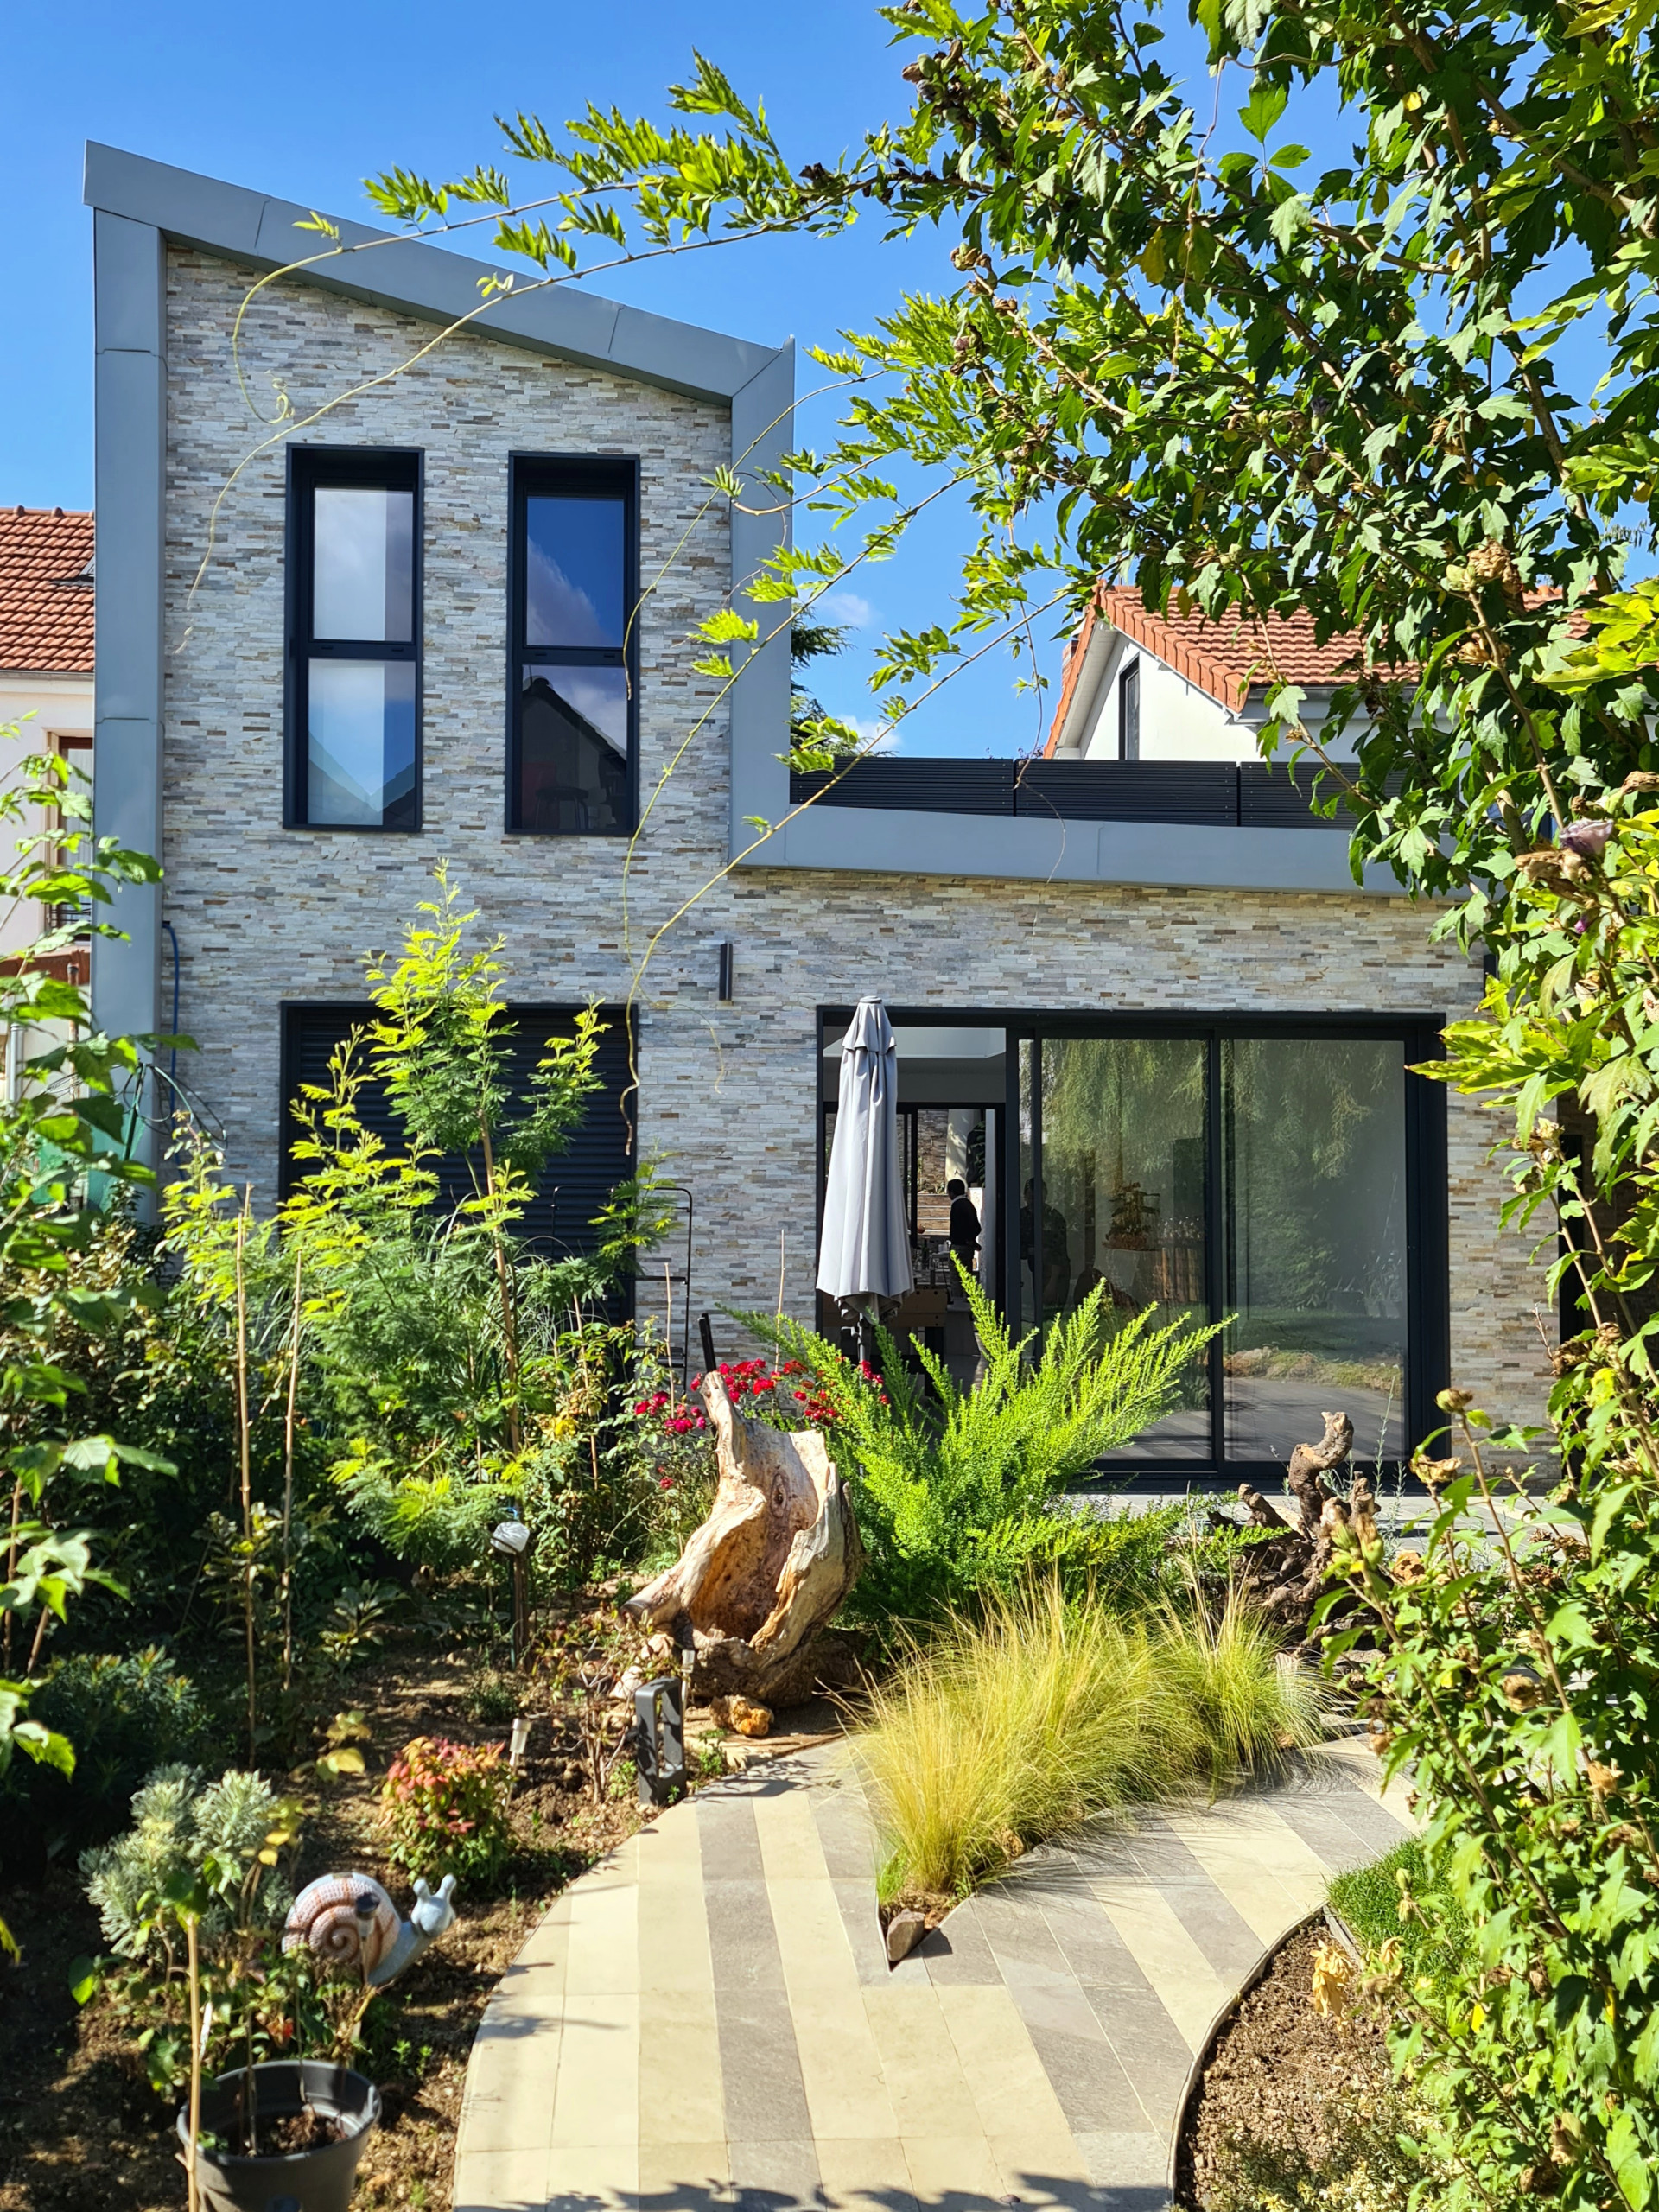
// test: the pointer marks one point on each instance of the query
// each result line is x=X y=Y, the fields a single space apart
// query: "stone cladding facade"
x=264 y=914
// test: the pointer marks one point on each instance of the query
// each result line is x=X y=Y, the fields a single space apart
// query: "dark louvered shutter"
x=577 y=1181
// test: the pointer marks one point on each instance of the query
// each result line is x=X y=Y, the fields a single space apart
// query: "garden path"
x=708 y=2017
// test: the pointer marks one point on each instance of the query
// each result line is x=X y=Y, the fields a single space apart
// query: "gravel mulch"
x=1294 y=2106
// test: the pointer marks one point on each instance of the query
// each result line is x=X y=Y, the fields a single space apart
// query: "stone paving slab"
x=707 y=2018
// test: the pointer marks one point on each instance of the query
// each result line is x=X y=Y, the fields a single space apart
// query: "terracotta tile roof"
x=1227 y=659
x=46 y=611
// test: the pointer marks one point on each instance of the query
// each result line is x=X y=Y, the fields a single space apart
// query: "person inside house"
x=964 y=1222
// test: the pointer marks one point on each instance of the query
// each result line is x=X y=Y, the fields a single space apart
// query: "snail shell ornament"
x=348 y=1921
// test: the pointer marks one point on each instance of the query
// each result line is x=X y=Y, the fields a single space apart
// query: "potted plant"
x=294 y=2142
x=286 y=2135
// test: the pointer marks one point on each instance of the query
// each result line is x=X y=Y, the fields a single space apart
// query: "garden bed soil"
x=81 y=2130
x=287 y=2133
x=1282 y=2079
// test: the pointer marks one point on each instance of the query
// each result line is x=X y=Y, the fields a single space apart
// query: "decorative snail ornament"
x=348 y=1920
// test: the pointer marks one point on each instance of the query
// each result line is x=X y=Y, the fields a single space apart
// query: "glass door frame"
x=1428 y=1288
x=1427 y=1242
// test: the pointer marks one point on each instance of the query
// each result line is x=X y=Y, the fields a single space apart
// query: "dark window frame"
x=548 y=475
x=1129 y=707
x=1428 y=1310
x=401 y=468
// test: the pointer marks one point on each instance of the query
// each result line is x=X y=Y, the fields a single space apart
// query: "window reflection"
x=574 y=571
x=360 y=744
x=362 y=572
x=573 y=745
x=1122 y=1208
x=1314 y=1143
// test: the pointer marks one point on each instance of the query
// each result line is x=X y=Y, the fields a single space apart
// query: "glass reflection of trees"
x=1312 y=1195
x=1313 y=1145
x=1124 y=1179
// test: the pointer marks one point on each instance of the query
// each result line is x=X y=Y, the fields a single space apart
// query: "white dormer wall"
x=1178 y=720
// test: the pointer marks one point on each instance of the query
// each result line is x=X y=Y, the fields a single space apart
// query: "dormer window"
x=353 y=639
x=572 y=686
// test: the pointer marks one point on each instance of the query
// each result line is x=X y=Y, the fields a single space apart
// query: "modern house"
x=376 y=590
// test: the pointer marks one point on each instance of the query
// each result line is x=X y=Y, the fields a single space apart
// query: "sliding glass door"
x=1314 y=1204
x=1119 y=1124
x=1289 y=1182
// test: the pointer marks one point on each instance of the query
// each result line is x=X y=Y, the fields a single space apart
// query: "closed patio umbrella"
x=865 y=1255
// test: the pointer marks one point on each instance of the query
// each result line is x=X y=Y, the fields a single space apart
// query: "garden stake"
x=195 y=1964
x=288 y=1478
x=245 y=1436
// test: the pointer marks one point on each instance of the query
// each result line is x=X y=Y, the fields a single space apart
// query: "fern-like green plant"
x=959 y=1493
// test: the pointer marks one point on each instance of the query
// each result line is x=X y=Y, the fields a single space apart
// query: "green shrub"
x=443 y=1810
x=958 y=1496
x=178 y=1828
x=1012 y=1727
x=212 y=1853
x=124 y=1717
x=1401 y=1912
x=493 y=1698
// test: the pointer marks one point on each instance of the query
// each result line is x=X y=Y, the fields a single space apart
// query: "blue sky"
x=305 y=101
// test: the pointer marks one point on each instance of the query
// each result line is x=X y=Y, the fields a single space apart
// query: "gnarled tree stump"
x=1285 y=1577
x=757 y=1584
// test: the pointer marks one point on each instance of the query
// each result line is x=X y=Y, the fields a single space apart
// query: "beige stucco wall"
x=727 y=1091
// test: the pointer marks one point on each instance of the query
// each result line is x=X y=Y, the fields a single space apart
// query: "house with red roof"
x=46 y=650
x=1139 y=685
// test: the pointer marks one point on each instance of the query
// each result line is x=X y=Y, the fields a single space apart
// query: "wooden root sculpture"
x=1285 y=1576
x=756 y=1585
x=347 y=1920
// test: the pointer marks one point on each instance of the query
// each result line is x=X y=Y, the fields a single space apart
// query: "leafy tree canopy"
x=1411 y=392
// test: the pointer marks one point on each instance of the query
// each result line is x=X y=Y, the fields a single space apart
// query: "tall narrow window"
x=572 y=682
x=1129 y=713
x=354 y=639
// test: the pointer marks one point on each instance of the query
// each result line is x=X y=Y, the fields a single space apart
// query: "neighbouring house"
x=441 y=605
x=1142 y=686
x=46 y=702
x=46 y=654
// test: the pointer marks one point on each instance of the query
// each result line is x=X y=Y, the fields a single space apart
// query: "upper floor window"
x=573 y=648
x=1129 y=713
x=354 y=639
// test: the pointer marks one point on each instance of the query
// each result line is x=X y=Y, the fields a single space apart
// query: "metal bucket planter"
x=295 y=2181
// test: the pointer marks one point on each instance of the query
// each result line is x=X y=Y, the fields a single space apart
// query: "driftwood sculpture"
x=1285 y=1577
x=756 y=1585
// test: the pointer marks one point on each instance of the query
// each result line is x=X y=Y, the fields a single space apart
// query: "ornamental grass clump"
x=1225 y=1667
x=443 y=1810
x=1016 y=1726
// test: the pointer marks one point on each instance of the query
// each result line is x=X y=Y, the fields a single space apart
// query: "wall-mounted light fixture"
x=726 y=950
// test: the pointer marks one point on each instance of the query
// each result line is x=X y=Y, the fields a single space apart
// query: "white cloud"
x=876 y=735
x=845 y=606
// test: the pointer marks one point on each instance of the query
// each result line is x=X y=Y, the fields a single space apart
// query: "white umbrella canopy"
x=865 y=1252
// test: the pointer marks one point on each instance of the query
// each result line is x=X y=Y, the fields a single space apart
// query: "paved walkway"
x=708 y=2018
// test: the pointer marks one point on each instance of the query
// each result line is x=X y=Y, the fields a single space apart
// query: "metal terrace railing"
x=1248 y=795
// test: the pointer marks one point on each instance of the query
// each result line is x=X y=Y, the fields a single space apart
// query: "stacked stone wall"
x=728 y=1092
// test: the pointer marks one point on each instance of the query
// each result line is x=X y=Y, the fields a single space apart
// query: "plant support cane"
x=194 y=1958
x=243 y=1424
